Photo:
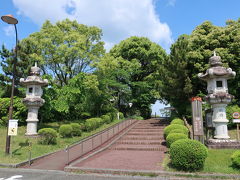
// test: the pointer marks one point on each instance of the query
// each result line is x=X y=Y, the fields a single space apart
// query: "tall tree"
x=190 y=55
x=150 y=57
x=64 y=49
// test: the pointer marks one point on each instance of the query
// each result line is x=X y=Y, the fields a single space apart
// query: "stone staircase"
x=141 y=148
x=145 y=136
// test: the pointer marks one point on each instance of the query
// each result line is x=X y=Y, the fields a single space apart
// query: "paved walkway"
x=59 y=160
x=142 y=148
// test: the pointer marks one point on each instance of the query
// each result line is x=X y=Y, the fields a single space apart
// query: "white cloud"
x=171 y=3
x=9 y=30
x=119 y=19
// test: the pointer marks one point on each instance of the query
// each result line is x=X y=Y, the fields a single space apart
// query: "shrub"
x=236 y=159
x=99 y=121
x=136 y=117
x=177 y=121
x=106 y=118
x=76 y=129
x=82 y=126
x=47 y=136
x=66 y=130
x=187 y=154
x=170 y=127
x=178 y=131
x=172 y=137
x=93 y=123
x=121 y=115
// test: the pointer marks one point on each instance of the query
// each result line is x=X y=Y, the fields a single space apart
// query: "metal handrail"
x=98 y=133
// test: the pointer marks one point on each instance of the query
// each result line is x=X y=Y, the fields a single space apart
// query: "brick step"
x=142 y=138
x=139 y=142
x=145 y=134
x=137 y=146
x=138 y=149
x=148 y=128
x=146 y=131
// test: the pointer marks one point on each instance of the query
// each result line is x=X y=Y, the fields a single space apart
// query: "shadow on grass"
x=21 y=145
x=235 y=167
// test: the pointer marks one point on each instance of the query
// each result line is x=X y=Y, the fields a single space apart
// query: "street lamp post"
x=11 y=20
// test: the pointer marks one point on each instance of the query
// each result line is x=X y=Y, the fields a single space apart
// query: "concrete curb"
x=160 y=173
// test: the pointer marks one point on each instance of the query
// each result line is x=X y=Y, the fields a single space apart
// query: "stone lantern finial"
x=215 y=60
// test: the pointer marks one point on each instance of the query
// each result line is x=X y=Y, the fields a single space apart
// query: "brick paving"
x=142 y=148
x=60 y=159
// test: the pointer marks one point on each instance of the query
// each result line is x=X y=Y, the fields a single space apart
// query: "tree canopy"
x=190 y=55
x=64 y=49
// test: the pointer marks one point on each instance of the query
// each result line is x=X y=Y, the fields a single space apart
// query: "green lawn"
x=19 y=144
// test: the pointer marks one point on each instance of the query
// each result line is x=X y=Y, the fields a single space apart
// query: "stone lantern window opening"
x=30 y=90
x=219 y=84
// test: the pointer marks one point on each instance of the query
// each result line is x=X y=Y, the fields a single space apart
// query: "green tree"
x=22 y=70
x=114 y=79
x=64 y=49
x=190 y=55
x=150 y=57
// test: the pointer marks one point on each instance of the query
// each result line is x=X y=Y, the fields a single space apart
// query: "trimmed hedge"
x=76 y=129
x=236 y=159
x=172 y=137
x=66 y=130
x=47 y=136
x=170 y=127
x=106 y=118
x=178 y=131
x=188 y=155
x=112 y=115
x=121 y=115
x=93 y=123
x=177 y=121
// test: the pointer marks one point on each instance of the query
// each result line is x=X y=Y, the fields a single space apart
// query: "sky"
x=162 y=21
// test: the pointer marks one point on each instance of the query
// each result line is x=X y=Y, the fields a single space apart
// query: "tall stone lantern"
x=218 y=96
x=33 y=99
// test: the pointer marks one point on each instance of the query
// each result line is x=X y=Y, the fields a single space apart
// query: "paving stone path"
x=142 y=148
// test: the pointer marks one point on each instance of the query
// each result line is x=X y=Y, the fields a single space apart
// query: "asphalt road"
x=31 y=174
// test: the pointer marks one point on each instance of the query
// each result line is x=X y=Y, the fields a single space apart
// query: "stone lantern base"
x=31 y=127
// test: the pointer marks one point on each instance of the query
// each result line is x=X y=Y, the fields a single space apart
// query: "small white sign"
x=236 y=120
x=12 y=127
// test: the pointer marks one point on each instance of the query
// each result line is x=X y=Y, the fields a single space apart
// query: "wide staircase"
x=145 y=136
x=142 y=147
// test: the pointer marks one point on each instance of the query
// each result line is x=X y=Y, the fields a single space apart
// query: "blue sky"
x=162 y=21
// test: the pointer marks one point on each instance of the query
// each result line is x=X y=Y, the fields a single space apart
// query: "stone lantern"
x=33 y=99
x=218 y=96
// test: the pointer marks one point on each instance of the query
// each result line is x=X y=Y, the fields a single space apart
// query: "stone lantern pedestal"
x=33 y=100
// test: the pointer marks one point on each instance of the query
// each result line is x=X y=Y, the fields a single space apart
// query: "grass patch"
x=219 y=161
x=20 y=149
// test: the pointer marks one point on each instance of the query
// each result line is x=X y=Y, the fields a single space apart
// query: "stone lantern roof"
x=216 y=70
x=34 y=78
